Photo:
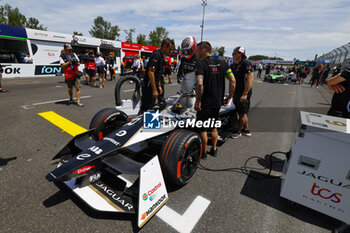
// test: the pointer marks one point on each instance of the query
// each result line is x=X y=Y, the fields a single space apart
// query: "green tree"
x=13 y=17
x=35 y=24
x=129 y=35
x=221 y=51
x=263 y=57
x=218 y=51
x=104 y=30
x=276 y=58
x=157 y=36
x=258 y=57
x=141 y=39
x=77 y=33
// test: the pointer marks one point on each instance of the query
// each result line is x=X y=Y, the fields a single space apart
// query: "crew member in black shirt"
x=243 y=72
x=340 y=85
x=210 y=91
x=152 y=86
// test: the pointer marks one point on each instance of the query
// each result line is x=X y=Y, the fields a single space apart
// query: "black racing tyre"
x=107 y=120
x=136 y=95
x=180 y=156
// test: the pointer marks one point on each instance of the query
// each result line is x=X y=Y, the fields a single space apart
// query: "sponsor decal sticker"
x=325 y=193
x=145 y=196
x=45 y=70
x=151 y=192
x=153 y=207
x=83 y=170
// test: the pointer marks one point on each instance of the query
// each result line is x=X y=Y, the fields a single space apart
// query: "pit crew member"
x=210 y=90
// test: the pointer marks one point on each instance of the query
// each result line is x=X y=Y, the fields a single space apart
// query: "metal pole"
x=204 y=3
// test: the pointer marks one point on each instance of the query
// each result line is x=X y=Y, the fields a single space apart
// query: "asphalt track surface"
x=28 y=203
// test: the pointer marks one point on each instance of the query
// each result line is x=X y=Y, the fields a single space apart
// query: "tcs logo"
x=325 y=193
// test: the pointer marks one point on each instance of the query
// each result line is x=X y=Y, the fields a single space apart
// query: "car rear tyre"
x=180 y=156
x=107 y=120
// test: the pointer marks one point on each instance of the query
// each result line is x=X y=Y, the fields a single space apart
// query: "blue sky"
x=291 y=29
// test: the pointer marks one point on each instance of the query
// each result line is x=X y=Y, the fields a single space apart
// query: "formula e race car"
x=118 y=165
x=276 y=77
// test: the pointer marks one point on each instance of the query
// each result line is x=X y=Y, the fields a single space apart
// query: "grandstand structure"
x=336 y=56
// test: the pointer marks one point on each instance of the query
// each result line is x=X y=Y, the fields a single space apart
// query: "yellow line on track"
x=62 y=123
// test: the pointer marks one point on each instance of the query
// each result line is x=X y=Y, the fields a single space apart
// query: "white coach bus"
x=44 y=49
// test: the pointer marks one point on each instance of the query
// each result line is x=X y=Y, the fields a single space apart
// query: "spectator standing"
x=69 y=64
x=167 y=71
x=268 y=70
x=301 y=74
x=91 y=68
x=100 y=65
x=85 y=61
x=1 y=71
x=110 y=65
x=317 y=75
x=137 y=66
x=260 y=68
x=243 y=72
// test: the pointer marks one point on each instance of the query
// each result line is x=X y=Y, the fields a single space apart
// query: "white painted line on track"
x=186 y=222
x=128 y=90
x=54 y=101
x=182 y=223
x=27 y=107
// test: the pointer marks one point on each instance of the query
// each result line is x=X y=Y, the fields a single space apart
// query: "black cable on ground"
x=247 y=170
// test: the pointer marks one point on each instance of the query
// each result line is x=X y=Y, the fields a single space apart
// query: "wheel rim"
x=190 y=160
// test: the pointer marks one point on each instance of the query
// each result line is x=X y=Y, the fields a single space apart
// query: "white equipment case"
x=317 y=173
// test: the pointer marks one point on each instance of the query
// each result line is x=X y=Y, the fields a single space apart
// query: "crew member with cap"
x=243 y=71
x=210 y=91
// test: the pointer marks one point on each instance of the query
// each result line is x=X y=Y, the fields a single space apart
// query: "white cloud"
x=299 y=28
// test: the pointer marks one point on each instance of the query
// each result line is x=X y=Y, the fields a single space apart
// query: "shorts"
x=147 y=100
x=91 y=73
x=208 y=113
x=101 y=69
x=242 y=108
x=73 y=83
x=167 y=72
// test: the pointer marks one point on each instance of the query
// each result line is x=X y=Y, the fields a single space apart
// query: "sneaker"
x=80 y=104
x=214 y=153
x=170 y=82
x=101 y=86
x=71 y=101
x=246 y=132
x=204 y=156
x=236 y=135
